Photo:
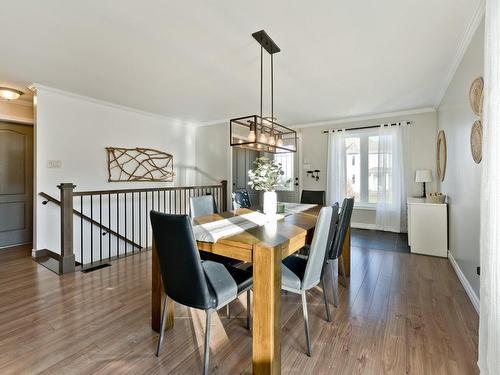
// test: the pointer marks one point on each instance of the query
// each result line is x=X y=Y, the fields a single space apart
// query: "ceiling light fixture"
x=263 y=133
x=10 y=94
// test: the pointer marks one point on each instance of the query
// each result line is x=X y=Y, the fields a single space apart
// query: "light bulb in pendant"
x=263 y=138
x=279 y=143
x=251 y=136
x=272 y=139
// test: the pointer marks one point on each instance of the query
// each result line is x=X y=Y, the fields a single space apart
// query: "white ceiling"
x=197 y=61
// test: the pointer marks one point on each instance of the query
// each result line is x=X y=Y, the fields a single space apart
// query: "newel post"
x=67 y=259
x=224 y=195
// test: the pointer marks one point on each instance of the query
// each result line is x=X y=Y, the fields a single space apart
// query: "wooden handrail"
x=92 y=221
x=169 y=188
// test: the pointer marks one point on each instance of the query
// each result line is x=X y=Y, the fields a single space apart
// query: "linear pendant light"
x=257 y=132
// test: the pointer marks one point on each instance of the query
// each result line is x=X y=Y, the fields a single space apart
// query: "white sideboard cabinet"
x=427 y=227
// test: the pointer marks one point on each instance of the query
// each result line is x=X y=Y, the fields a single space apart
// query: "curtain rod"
x=368 y=127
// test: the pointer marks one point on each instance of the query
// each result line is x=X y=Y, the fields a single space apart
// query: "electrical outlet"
x=54 y=164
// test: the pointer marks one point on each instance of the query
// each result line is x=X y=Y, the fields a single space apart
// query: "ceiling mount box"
x=428 y=227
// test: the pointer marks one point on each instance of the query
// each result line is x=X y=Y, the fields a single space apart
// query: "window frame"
x=363 y=135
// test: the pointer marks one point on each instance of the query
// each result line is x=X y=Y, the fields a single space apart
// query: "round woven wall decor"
x=441 y=155
x=476 y=96
x=476 y=141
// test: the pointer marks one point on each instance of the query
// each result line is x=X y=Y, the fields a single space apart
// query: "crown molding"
x=471 y=29
x=36 y=87
x=377 y=116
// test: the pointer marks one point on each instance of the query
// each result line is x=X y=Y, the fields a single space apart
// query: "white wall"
x=77 y=129
x=463 y=175
x=422 y=143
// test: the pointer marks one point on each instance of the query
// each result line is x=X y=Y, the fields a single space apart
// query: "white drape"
x=489 y=316
x=392 y=178
x=336 y=167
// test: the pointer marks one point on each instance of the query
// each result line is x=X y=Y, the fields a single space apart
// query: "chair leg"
x=162 y=329
x=207 y=341
x=334 y=264
x=306 y=323
x=328 y=318
x=249 y=311
x=228 y=311
x=342 y=267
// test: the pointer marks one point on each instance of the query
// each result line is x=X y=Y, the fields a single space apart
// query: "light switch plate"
x=54 y=164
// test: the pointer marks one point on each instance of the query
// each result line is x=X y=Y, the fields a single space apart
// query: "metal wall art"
x=139 y=164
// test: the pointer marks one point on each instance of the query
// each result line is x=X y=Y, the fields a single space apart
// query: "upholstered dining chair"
x=299 y=274
x=241 y=199
x=188 y=280
x=313 y=197
x=335 y=253
x=202 y=205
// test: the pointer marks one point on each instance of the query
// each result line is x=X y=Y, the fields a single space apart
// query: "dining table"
x=264 y=246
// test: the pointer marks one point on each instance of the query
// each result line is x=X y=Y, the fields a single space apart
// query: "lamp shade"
x=423 y=175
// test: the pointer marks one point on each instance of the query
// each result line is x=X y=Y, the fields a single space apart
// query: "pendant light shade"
x=255 y=131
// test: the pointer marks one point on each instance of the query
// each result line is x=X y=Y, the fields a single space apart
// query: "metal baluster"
x=100 y=227
x=133 y=223
x=158 y=205
x=109 y=225
x=81 y=230
x=146 y=219
x=125 y=221
x=140 y=219
x=175 y=201
x=164 y=201
x=91 y=229
x=117 y=225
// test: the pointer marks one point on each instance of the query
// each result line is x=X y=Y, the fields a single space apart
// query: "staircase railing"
x=98 y=226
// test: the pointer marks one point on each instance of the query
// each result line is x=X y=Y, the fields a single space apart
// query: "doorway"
x=16 y=184
x=242 y=162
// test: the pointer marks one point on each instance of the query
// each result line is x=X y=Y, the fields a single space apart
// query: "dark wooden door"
x=16 y=184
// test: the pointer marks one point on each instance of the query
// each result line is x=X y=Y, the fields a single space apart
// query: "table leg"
x=157 y=293
x=346 y=253
x=266 y=337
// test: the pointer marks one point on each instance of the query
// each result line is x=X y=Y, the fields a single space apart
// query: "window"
x=286 y=161
x=362 y=168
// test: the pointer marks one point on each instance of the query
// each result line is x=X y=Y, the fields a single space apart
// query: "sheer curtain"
x=336 y=167
x=392 y=178
x=489 y=313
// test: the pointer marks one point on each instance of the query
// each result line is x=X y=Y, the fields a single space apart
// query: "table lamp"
x=423 y=175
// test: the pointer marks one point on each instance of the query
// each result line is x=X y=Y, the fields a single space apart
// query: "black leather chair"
x=241 y=199
x=335 y=254
x=188 y=280
x=313 y=197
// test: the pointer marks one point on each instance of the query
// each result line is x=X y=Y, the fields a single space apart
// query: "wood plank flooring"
x=402 y=314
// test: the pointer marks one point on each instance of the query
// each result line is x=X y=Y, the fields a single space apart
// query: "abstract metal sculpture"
x=139 y=164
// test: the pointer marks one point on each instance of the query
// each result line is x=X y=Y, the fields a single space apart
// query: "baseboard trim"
x=363 y=226
x=465 y=283
x=37 y=254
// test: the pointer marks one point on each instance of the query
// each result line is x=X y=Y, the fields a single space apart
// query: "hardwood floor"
x=402 y=314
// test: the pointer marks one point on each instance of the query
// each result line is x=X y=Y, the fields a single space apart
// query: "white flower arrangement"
x=267 y=175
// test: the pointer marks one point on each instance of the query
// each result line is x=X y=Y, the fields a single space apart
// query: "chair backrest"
x=180 y=264
x=241 y=199
x=319 y=247
x=203 y=205
x=313 y=197
x=344 y=221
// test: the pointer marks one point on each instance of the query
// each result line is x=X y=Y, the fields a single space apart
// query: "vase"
x=270 y=202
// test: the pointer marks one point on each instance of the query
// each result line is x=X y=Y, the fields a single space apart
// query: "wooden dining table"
x=264 y=247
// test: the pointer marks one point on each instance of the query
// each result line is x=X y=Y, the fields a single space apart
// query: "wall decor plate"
x=476 y=96
x=476 y=141
x=139 y=164
x=441 y=155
